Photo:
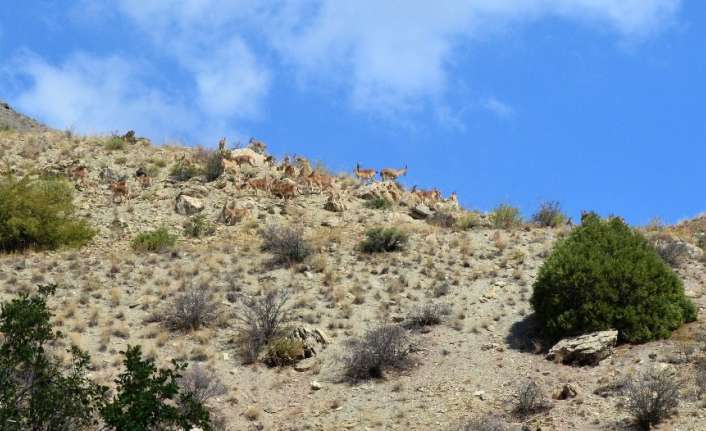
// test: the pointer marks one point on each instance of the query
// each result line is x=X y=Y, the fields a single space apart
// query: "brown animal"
x=392 y=174
x=427 y=196
x=231 y=215
x=257 y=184
x=222 y=145
x=289 y=170
x=78 y=173
x=243 y=159
x=453 y=199
x=364 y=174
x=120 y=189
x=322 y=181
x=270 y=161
x=143 y=178
x=258 y=146
x=286 y=188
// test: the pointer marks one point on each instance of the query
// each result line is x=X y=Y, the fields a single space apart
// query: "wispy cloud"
x=99 y=94
x=497 y=107
x=386 y=57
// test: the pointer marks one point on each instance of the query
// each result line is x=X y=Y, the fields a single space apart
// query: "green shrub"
x=198 y=226
x=115 y=143
x=37 y=391
x=549 y=215
x=468 y=221
x=378 y=203
x=381 y=239
x=606 y=275
x=39 y=213
x=157 y=240
x=506 y=217
x=148 y=398
x=284 y=351
x=183 y=171
x=214 y=166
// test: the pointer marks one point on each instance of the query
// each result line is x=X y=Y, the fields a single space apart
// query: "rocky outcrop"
x=335 y=204
x=387 y=190
x=588 y=349
x=188 y=205
x=421 y=212
x=313 y=339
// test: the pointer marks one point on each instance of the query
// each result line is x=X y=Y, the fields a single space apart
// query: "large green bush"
x=606 y=275
x=39 y=213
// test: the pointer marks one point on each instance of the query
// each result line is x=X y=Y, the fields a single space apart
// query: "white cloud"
x=387 y=57
x=98 y=95
x=497 y=107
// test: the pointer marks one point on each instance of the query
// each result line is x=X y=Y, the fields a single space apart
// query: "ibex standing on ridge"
x=392 y=174
x=367 y=175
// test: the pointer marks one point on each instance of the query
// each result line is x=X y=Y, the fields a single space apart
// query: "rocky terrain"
x=469 y=365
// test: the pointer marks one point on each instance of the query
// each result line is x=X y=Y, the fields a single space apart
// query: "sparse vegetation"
x=530 y=398
x=115 y=143
x=485 y=423
x=190 y=310
x=39 y=213
x=468 y=221
x=606 y=275
x=158 y=240
x=287 y=245
x=383 y=240
x=378 y=203
x=380 y=348
x=549 y=215
x=184 y=171
x=670 y=249
x=198 y=226
x=506 y=217
x=263 y=320
x=428 y=315
x=442 y=219
x=201 y=384
x=652 y=397
x=284 y=351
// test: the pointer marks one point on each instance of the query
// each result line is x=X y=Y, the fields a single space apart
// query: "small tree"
x=606 y=275
x=39 y=213
x=286 y=244
x=149 y=398
x=36 y=392
x=549 y=215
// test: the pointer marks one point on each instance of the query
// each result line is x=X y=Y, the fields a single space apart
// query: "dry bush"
x=549 y=215
x=428 y=315
x=442 y=219
x=485 y=423
x=263 y=319
x=284 y=351
x=201 y=384
x=670 y=249
x=530 y=398
x=286 y=244
x=386 y=346
x=190 y=311
x=651 y=397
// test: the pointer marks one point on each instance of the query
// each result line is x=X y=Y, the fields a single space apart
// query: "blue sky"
x=597 y=104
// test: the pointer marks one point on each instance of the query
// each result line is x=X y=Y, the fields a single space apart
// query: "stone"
x=311 y=337
x=188 y=205
x=315 y=386
x=420 y=212
x=479 y=394
x=335 y=204
x=587 y=349
x=566 y=392
x=305 y=365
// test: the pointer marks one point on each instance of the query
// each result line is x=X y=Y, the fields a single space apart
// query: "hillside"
x=471 y=364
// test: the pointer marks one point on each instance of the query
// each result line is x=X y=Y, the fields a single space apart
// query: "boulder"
x=566 y=392
x=420 y=212
x=311 y=337
x=188 y=205
x=335 y=204
x=587 y=349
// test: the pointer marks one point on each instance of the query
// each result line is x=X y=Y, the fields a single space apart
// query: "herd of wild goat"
x=287 y=179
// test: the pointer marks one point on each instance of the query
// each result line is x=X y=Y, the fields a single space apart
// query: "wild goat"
x=120 y=189
x=364 y=174
x=258 y=146
x=286 y=188
x=322 y=181
x=231 y=215
x=242 y=159
x=392 y=174
x=78 y=173
x=143 y=178
x=257 y=184
x=427 y=196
